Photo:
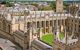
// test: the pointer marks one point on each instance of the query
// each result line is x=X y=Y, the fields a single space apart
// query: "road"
x=8 y=45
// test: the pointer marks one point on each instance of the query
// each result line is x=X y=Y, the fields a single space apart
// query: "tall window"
x=28 y=25
x=47 y=23
x=51 y=23
x=9 y=28
x=43 y=23
x=38 y=24
x=0 y=24
x=4 y=25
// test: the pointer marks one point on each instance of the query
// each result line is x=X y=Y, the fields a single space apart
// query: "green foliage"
x=53 y=5
x=65 y=6
x=46 y=8
x=49 y=38
x=34 y=4
x=7 y=3
x=61 y=36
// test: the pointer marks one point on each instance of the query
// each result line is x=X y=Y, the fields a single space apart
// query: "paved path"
x=8 y=45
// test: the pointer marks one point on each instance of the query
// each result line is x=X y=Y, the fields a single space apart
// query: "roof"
x=20 y=33
x=41 y=44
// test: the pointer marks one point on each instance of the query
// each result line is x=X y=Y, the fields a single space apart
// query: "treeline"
x=7 y=3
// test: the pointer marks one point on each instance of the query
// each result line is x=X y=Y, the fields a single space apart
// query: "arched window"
x=4 y=25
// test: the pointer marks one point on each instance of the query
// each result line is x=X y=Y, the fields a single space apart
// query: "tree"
x=46 y=8
x=3 y=2
x=7 y=3
x=53 y=5
x=65 y=5
x=36 y=5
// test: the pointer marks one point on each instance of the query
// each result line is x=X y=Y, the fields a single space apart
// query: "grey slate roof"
x=41 y=44
x=20 y=33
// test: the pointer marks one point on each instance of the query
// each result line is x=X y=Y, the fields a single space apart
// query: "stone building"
x=29 y=25
x=26 y=27
x=5 y=25
x=38 y=45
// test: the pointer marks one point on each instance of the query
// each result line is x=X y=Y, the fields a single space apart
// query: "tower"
x=59 y=5
x=69 y=42
x=58 y=45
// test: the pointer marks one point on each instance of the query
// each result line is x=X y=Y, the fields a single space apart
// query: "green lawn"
x=49 y=38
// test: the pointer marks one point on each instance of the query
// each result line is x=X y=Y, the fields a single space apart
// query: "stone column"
x=61 y=26
x=30 y=38
x=45 y=27
x=52 y=26
x=40 y=30
x=25 y=43
x=73 y=28
x=64 y=25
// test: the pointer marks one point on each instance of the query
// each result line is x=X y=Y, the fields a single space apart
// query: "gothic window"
x=47 y=23
x=28 y=25
x=43 y=23
x=58 y=22
x=38 y=24
x=79 y=26
x=51 y=23
x=72 y=20
x=9 y=28
x=0 y=24
x=4 y=25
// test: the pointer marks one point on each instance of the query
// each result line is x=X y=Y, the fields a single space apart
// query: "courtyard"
x=48 y=38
